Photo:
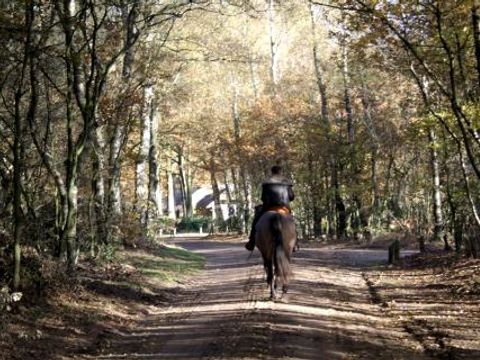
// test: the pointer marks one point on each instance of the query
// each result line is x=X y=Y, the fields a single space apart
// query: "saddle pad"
x=280 y=209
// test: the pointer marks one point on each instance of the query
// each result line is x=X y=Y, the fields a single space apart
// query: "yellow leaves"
x=472 y=111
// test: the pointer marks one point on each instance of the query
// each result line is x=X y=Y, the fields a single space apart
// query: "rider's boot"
x=250 y=245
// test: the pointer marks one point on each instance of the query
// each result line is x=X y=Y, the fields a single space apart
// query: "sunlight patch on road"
x=273 y=306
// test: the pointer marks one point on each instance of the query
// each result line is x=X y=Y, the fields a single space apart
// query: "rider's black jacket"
x=277 y=191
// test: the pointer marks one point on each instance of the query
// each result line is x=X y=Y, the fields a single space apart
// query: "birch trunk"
x=115 y=192
x=70 y=232
x=141 y=173
x=98 y=185
x=171 y=194
x=155 y=206
x=273 y=46
x=437 y=198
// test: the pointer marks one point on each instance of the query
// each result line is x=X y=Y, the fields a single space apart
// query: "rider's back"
x=277 y=191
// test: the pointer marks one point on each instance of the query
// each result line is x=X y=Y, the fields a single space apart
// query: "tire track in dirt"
x=231 y=335
x=224 y=313
x=430 y=339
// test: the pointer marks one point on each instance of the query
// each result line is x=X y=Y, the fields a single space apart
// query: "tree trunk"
x=367 y=119
x=98 y=185
x=155 y=206
x=17 y=190
x=437 y=198
x=185 y=173
x=217 y=210
x=346 y=90
x=339 y=206
x=171 y=194
x=247 y=199
x=115 y=193
x=141 y=174
x=476 y=34
x=18 y=133
x=319 y=73
x=129 y=16
x=244 y=205
x=273 y=47
x=71 y=221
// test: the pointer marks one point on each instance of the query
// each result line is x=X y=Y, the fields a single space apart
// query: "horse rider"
x=277 y=193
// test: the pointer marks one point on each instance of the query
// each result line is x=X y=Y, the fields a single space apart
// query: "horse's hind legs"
x=270 y=279
x=273 y=290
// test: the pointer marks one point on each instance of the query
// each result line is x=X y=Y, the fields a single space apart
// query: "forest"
x=114 y=112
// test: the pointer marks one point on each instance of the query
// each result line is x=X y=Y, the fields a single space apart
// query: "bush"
x=193 y=224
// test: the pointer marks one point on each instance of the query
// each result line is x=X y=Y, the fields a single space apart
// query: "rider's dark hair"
x=276 y=170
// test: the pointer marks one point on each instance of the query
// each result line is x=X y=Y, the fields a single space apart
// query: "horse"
x=275 y=239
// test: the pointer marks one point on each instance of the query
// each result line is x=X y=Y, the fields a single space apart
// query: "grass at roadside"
x=77 y=312
x=168 y=264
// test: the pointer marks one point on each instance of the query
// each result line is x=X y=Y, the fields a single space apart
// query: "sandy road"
x=329 y=313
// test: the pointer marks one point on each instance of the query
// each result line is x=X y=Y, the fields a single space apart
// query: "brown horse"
x=276 y=238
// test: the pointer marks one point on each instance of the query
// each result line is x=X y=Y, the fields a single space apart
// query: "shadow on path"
x=224 y=312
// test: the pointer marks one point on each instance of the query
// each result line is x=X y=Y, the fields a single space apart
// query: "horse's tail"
x=282 y=264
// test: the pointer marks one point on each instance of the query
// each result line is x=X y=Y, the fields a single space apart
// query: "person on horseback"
x=277 y=192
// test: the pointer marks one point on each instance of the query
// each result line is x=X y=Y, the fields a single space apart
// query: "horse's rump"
x=270 y=226
x=275 y=238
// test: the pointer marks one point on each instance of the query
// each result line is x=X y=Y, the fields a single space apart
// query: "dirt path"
x=332 y=311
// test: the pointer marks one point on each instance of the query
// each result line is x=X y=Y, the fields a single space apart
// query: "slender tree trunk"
x=468 y=189
x=319 y=73
x=98 y=185
x=70 y=232
x=476 y=34
x=185 y=173
x=171 y=194
x=452 y=225
x=374 y=187
x=228 y=191
x=72 y=196
x=346 y=90
x=244 y=207
x=367 y=119
x=339 y=206
x=141 y=173
x=437 y=198
x=129 y=15
x=115 y=193
x=314 y=197
x=17 y=191
x=247 y=199
x=217 y=210
x=155 y=206
x=273 y=47
x=18 y=153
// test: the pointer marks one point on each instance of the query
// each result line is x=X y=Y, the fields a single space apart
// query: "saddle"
x=283 y=210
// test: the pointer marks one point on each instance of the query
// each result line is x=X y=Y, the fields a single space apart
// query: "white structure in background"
x=202 y=198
